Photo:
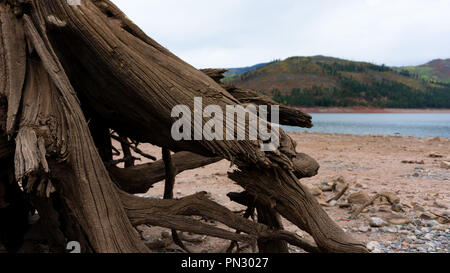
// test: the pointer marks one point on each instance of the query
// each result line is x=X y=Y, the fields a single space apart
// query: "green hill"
x=325 y=81
x=436 y=70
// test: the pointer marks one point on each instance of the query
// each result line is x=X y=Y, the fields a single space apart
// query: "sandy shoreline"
x=371 y=164
x=316 y=110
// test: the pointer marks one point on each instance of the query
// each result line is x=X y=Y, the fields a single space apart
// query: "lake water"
x=417 y=125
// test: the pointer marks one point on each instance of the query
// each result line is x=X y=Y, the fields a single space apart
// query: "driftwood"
x=139 y=179
x=392 y=199
x=364 y=206
x=339 y=194
x=71 y=74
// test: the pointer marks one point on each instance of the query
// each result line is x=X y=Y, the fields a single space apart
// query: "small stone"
x=374 y=245
x=389 y=230
x=440 y=228
x=432 y=223
x=376 y=222
x=332 y=203
x=178 y=192
x=377 y=250
x=428 y=237
x=425 y=229
x=364 y=229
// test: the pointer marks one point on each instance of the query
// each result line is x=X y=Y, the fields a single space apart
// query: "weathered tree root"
x=141 y=178
x=305 y=212
x=174 y=214
x=55 y=151
x=171 y=173
x=266 y=216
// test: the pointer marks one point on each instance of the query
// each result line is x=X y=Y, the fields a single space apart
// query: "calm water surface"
x=417 y=125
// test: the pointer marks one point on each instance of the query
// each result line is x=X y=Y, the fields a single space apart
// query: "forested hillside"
x=325 y=81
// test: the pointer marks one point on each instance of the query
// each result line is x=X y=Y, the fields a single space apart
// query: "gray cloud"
x=233 y=33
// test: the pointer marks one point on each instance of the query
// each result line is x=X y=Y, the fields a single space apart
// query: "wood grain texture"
x=12 y=62
x=92 y=55
x=83 y=181
x=143 y=85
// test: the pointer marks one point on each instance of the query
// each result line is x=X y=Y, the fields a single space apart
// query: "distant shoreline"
x=368 y=110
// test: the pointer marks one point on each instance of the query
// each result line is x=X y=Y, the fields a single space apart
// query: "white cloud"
x=244 y=32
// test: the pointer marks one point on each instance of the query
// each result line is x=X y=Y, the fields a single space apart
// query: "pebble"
x=332 y=203
x=425 y=229
x=389 y=230
x=376 y=222
x=432 y=223
x=440 y=228
x=364 y=229
x=374 y=245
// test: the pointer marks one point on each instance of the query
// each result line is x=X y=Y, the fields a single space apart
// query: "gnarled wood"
x=171 y=213
x=83 y=183
x=144 y=83
x=139 y=179
x=12 y=62
x=128 y=83
x=305 y=212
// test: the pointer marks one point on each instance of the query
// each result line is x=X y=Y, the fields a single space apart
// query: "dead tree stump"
x=63 y=66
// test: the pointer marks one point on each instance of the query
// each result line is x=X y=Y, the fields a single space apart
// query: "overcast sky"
x=235 y=33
